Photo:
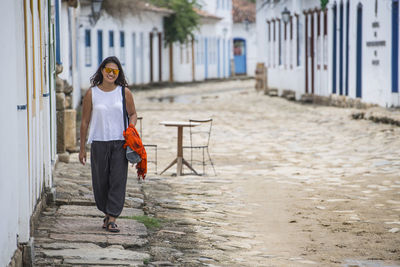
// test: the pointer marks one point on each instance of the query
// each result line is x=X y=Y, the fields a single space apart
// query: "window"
x=284 y=45
x=187 y=53
x=181 y=53
x=111 y=43
x=280 y=41
x=291 y=44
x=274 y=43
x=298 y=40
x=269 y=44
x=88 y=49
x=100 y=46
x=325 y=45
x=122 y=47
x=196 y=43
x=319 y=42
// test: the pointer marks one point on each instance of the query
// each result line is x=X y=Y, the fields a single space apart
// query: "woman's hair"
x=97 y=78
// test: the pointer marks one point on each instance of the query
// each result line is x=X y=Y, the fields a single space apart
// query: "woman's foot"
x=111 y=225
x=105 y=222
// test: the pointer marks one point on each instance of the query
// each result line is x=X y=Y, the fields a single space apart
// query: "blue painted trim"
x=111 y=38
x=347 y=45
x=245 y=57
x=142 y=57
x=223 y=58
x=395 y=46
x=134 y=67
x=99 y=46
x=359 y=51
x=229 y=57
x=205 y=58
x=334 y=50
x=122 y=39
x=280 y=43
x=341 y=48
x=298 y=41
x=58 y=49
x=219 y=57
x=87 y=38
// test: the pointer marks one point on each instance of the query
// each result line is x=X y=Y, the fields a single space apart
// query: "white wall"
x=10 y=15
x=25 y=160
x=376 y=78
x=212 y=30
x=69 y=45
x=141 y=26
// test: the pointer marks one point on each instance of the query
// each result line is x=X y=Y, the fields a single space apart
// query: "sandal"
x=113 y=228
x=105 y=222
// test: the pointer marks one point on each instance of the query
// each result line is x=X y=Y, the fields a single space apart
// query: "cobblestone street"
x=296 y=185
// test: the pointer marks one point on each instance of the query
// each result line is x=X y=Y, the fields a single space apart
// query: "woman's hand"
x=82 y=156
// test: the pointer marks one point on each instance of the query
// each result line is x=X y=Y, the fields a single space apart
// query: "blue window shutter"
x=395 y=46
x=111 y=38
x=87 y=38
x=122 y=39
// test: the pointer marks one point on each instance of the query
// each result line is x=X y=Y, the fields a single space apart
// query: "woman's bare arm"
x=130 y=107
x=86 y=115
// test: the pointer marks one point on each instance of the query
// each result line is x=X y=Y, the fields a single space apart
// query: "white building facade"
x=213 y=46
x=136 y=39
x=28 y=137
x=350 y=48
x=244 y=36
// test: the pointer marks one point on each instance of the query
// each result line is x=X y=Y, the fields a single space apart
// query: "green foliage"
x=179 y=27
x=149 y=222
x=324 y=3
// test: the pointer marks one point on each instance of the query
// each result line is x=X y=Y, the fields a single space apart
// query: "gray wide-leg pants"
x=109 y=175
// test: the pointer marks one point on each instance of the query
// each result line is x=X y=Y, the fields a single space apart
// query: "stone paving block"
x=90 y=254
x=74 y=210
x=89 y=225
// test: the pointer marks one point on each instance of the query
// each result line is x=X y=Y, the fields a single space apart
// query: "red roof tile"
x=242 y=10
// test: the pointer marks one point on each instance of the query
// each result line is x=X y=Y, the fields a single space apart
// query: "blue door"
x=395 y=46
x=334 y=48
x=341 y=48
x=218 y=57
x=359 y=52
x=239 y=53
x=100 y=46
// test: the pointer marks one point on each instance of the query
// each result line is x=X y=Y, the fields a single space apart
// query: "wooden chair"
x=200 y=140
x=148 y=145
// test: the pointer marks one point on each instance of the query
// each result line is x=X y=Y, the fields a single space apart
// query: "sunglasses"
x=108 y=70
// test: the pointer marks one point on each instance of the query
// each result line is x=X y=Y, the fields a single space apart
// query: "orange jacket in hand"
x=133 y=140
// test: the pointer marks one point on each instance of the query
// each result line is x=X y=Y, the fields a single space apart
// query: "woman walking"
x=102 y=108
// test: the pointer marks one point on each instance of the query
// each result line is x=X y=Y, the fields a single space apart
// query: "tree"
x=324 y=3
x=179 y=26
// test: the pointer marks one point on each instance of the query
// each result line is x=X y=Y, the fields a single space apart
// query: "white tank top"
x=107 y=122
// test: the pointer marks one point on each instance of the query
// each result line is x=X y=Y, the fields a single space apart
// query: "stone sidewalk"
x=70 y=233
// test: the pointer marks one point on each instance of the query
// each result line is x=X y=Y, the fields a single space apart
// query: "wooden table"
x=179 y=160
